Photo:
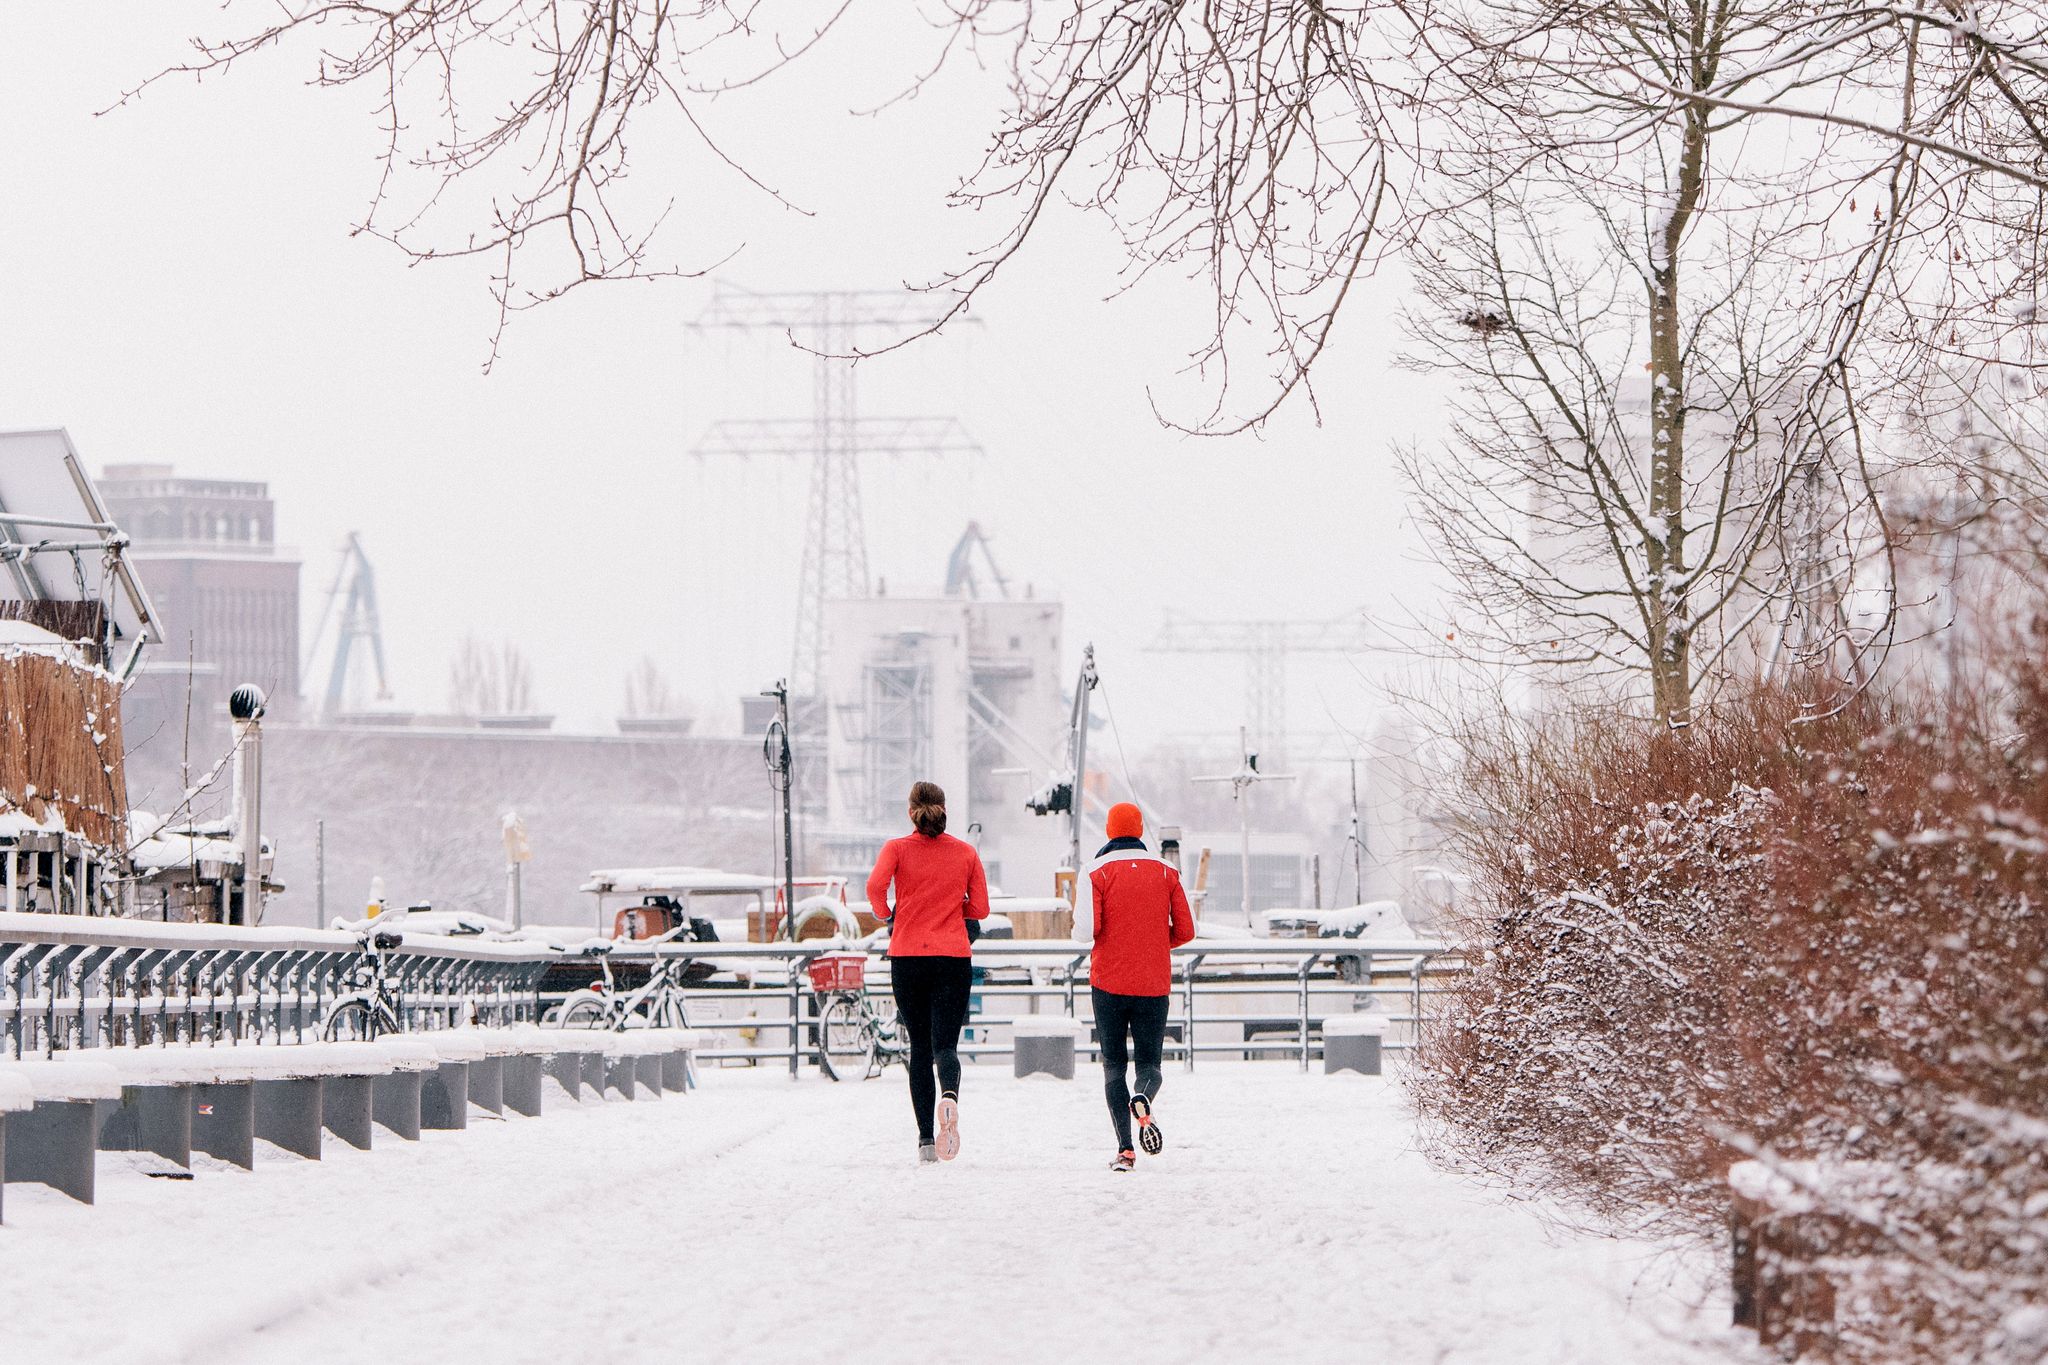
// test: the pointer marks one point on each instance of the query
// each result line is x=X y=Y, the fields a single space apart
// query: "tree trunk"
x=1668 y=589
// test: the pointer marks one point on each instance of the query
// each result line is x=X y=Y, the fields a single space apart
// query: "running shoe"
x=1126 y=1160
x=927 y=1154
x=1149 y=1136
x=949 y=1128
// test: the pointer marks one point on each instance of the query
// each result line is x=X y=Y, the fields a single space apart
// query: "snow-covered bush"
x=1896 y=1028
x=1819 y=942
x=1617 y=867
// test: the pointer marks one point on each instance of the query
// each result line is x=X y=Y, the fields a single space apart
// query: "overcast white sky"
x=177 y=283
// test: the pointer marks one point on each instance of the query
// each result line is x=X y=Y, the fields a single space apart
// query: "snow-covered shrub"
x=1896 y=1029
x=1817 y=942
x=1617 y=867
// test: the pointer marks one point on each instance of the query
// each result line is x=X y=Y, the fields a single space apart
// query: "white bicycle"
x=656 y=1003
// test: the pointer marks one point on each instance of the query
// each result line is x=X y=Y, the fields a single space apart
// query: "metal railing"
x=71 y=983
x=767 y=992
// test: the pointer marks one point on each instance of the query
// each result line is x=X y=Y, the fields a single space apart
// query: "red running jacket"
x=939 y=887
x=1140 y=915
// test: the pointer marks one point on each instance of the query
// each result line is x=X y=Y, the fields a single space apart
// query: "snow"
x=19 y=637
x=643 y=881
x=1046 y=1026
x=1357 y=1026
x=17 y=1092
x=1372 y=920
x=1289 y=1219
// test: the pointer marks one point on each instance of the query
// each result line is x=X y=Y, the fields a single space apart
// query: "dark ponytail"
x=928 y=809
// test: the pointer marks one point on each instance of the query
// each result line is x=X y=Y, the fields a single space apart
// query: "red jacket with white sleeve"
x=1138 y=915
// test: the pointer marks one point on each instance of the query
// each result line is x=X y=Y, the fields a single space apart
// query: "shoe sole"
x=1150 y=1140
x=949 y=1130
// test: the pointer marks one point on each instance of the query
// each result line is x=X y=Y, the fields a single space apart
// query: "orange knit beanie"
x=1125 y=821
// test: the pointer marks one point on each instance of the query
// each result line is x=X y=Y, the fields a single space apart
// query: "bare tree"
x=1271 y=146
x=484 y=681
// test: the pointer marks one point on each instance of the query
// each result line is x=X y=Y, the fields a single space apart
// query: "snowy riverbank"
x=762 y=1220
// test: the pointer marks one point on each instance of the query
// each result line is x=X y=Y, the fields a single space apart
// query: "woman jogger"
x=939 y=885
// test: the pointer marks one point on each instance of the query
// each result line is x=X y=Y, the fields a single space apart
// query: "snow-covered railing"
x=70 y=982
x=1243 y=997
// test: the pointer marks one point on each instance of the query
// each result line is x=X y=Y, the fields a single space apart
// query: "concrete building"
x=226 y=593
x=953 y=690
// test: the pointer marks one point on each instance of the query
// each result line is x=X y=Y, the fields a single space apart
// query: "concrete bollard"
x=347 y=1109
x=395 y=1096
x=1044 y=1044
x=149 y=1118
x=647 y=1071
x=444 y=1097
x=594 y=1069
x=224 y=1121
x=524 y=1081
x=487 y=1083
x=1351 y=1042
x=288 y=1113
x=619 y=1073
x=567 y=1069
x=675 y=1071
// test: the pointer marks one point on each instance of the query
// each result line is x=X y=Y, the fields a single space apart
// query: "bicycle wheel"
x=351 y=1020
x=579 y=1011
x=843 y=1039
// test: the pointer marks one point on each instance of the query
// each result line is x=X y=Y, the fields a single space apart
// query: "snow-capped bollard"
x=524 y=1075
x=1351 y=1042
x=395 y=1096
x=347 y=1109
x=487 y=1083
x=288 y=1113
x=1043 y=1044
x=149 y=1118
x=17 y=1096
x=621 y=1070
x=54 y=1142
x=224 y=1121
x=444 y=1097
x=567 y=1068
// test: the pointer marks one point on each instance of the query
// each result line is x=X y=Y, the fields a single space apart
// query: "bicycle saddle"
x=385 y=941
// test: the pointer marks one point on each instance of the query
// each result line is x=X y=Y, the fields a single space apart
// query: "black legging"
x=931 y=1000
x=1143 y=1017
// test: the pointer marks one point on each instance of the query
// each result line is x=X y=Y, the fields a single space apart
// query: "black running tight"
x=1143 y=1018
x=931 y=1000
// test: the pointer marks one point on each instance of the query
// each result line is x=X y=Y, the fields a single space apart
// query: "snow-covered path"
x=764 y=1220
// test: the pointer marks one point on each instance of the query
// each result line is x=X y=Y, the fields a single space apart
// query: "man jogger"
x=1139 y=915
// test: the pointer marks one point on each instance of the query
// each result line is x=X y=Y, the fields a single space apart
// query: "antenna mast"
x=1241 y=782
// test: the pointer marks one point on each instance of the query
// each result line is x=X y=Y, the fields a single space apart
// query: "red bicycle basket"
x=837 y=972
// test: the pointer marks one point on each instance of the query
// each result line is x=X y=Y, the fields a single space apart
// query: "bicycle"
x=371 y=1010
x=857 y=1030
x=657 y=1003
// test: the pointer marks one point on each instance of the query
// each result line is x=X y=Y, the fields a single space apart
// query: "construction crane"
x=962 y=577
x=1266 y=646
x=352 y=608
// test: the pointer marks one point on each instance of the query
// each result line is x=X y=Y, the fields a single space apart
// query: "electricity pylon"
x=1265 y=646
x=832 y=325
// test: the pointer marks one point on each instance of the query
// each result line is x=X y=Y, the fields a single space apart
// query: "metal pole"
x=1187 y=1013
x=319 y=874
x=1357 y=840
x=1244 y=855
x=1306 y=964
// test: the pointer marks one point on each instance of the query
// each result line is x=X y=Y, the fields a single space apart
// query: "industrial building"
x=226 y=595
x=953 y=688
